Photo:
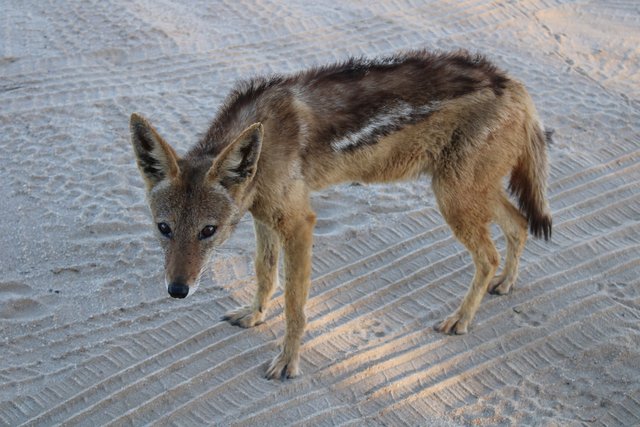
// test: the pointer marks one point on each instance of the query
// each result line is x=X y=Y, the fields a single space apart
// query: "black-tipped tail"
x=529 y=182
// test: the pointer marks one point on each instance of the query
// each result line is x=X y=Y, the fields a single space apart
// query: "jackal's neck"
x=240 y=110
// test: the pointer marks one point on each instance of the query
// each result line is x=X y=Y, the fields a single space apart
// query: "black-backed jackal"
x=452 y=116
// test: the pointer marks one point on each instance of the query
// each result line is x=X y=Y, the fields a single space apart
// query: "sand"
x=89 y=335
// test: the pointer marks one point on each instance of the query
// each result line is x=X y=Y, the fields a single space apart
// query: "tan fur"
x=468 y=143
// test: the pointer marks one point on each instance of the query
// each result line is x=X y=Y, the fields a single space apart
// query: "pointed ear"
x=238 y=162
x=156 y=159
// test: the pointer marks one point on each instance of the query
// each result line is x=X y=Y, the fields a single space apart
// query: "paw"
x=453 y=325
x=500 y=285
x=245 y=317
x=283 y=366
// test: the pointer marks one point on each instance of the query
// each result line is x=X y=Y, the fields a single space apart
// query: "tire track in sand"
x=364 y=349
x=213 y=371
x=606 y=176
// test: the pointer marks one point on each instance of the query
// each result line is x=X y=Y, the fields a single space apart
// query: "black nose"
x=178 y=290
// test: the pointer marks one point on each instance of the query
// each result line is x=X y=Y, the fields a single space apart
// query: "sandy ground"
x=89 y=336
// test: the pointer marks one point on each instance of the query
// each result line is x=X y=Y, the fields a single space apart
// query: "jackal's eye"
x=207 y=232
x=164 y=228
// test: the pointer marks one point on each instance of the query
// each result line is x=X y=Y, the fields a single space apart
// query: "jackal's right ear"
x=156 y=159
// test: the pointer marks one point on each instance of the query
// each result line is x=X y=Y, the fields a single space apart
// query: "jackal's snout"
x=178 y=290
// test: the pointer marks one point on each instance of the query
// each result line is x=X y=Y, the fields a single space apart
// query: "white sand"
x=89 y=335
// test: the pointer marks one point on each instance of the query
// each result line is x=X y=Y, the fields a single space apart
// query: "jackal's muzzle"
x=178 y=290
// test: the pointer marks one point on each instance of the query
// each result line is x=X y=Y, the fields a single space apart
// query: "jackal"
x=452 y=116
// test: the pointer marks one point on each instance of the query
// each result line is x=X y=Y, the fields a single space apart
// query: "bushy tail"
x=529 y=181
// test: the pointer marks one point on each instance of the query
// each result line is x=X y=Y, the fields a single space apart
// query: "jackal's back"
x=333 y=102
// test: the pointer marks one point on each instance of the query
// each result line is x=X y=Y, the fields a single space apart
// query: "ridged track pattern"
x=89 y=336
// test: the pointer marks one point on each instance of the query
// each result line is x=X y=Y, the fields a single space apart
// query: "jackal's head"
x=195 y=202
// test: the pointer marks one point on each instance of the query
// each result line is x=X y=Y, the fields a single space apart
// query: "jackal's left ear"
x=238 y=162
x=156 y=159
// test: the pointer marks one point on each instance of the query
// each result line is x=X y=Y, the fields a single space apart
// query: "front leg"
x=267 y=252
x=297 y=236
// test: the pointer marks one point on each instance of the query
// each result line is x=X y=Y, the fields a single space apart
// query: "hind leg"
x=514 y=227
x=469 y=214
